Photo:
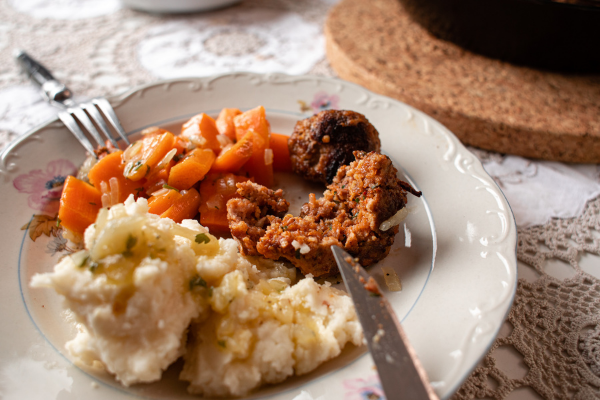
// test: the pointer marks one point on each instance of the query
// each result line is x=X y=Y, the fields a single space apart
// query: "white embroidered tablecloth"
x=550 y=345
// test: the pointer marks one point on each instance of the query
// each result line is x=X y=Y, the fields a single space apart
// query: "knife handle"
x=52 y=89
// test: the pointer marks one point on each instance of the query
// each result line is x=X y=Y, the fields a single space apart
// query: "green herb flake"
x=147 y=170
x=85 y=260
x=210 y=291
x=57 y=222
x=343 y=186
x=357 y=199
x=197 y=281
x=170 y=188
x=202 y=238
x=222 y=343
x=284 y=228
x=129 y=244
x=91 y=202
x=298 y=254
x=374 y=294
x=216 y=207
x=136 y=166
x=93 y=266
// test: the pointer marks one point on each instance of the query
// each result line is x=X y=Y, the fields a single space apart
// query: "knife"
x=401 y=374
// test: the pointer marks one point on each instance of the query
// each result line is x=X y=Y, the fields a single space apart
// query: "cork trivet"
x=487 y=103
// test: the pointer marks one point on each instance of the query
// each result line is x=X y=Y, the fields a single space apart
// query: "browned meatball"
x=305 y=242
x=249 y=216
x=362 y=196
x=322 y=143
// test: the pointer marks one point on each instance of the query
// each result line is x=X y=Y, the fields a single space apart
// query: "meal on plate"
x=158 y=278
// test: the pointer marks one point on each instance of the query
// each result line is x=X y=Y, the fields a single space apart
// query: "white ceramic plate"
x=455 y=253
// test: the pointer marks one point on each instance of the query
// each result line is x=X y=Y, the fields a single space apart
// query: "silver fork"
x=60 y=96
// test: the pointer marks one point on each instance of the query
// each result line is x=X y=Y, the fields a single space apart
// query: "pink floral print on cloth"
x=363 y=389
x=45 y=186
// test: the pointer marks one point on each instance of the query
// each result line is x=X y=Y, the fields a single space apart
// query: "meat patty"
x=322 y=143
x=362 y=196
x=251 y=214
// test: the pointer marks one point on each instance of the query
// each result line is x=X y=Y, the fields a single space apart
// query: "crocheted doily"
x=552 y=334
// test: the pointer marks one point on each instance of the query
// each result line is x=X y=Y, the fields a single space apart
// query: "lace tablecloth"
x=550 y=344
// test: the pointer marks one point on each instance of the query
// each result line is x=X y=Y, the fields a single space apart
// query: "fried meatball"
x=251 y=214
x=362 y=196
x=322 y=143
x=305 y=242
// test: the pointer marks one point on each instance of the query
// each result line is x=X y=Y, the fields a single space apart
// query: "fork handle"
x=53 y=90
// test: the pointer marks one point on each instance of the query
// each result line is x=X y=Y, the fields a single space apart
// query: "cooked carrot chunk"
x=215 y=221
x=185 y=207
x=111 y=166
x=252 y=120
x=281 y=152
x=260 y=163
x=143 y=156
x=156 y=180
x=191 y=169
x=202 y=130
x=162 y=202
x=232 y=160
x=79 y=205
x=225 y=123
x=216 y=189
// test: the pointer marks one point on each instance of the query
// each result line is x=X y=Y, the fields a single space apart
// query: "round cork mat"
x=487 y=103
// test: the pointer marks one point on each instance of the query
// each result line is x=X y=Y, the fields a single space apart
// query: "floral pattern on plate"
x=321 y=101
x=364 y=389
x=45 y=186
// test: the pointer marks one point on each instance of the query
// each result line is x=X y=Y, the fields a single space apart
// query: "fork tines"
x=83 y=113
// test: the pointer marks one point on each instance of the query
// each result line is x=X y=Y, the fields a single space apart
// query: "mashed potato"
x=129 y=290
x=263 y=330
x=144 y=284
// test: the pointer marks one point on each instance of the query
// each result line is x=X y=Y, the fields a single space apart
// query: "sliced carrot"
x=216 y=221
x=259 y=165
x=185 y=207
x=281 y=152
x=216 y=190
x=157 y=179
x=162 y=202
x=79 y=205
x=191 y=169
x=153 y=148
x=225 y=123
x=232 y=160
x=111 y=166
x=252 y=120
x=181 y=144
x=204 y=126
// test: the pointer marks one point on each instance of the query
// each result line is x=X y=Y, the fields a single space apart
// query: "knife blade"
x=401 y=374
